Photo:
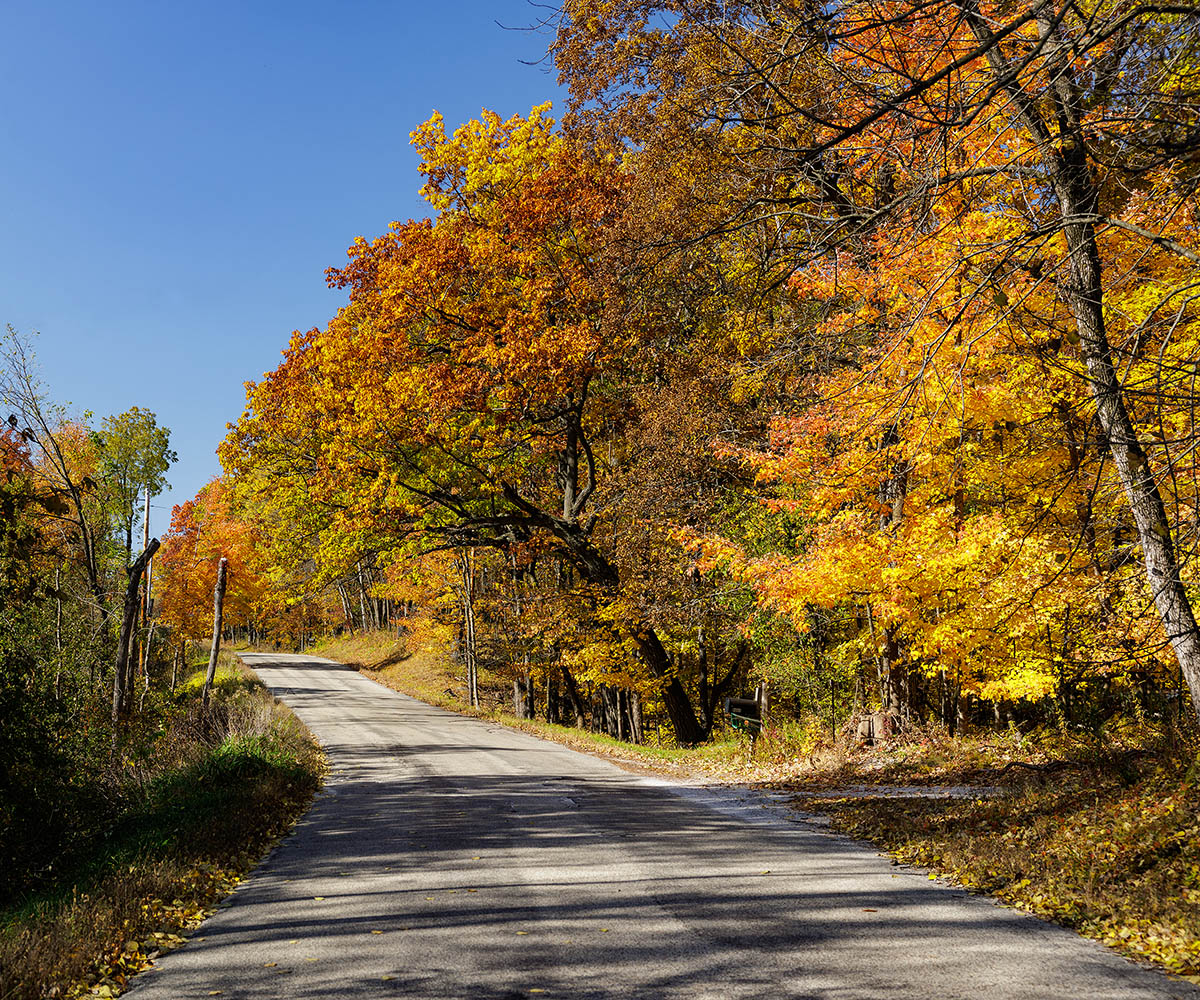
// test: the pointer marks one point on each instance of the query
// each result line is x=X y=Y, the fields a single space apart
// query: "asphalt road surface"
x=451 y=858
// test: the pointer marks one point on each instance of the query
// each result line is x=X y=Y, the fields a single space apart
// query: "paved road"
x=452 y=858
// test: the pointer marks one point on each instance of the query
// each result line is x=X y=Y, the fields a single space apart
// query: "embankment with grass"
x=1101 y=834
x=1097 y=830
x=172 y=821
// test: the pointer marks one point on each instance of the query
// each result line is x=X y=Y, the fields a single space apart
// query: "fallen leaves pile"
x=1118 y=862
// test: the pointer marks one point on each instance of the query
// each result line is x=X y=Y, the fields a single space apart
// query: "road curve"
x=452 y=858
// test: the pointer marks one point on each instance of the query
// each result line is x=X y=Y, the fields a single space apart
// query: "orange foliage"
x=204 y=530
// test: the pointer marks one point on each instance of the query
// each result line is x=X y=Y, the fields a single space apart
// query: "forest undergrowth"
x=1097 y=829
x=187 y=819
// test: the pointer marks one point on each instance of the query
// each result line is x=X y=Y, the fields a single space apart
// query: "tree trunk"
x=218 y=614
x=466 y=568
x=134 y=573
x=1076 y=189
x=57 y=629
x=552 y=713
x=362 y=600
x=675 y=698
x=143 y=658
x=573 y=695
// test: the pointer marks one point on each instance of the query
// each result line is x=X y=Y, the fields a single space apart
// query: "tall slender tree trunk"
x=362 y=600
x=218 y=615
x=57 y=628
x=635 y=716
x=120 y=700
x=1077 y=190
x=466 y=568
x=145 y=615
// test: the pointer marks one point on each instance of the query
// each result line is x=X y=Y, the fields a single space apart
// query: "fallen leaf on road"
x=269 y=965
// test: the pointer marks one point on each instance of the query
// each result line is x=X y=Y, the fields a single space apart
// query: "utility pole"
x=146 y=592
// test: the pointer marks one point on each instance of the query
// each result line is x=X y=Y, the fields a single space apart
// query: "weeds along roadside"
x=193 y=805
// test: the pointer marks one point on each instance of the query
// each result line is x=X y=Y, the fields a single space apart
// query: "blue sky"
x=176 y=177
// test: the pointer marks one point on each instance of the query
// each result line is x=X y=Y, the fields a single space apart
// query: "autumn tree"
x=991 y=211
x=458 y=397
x=203 y=531
x=135 y=455
x=64 y=462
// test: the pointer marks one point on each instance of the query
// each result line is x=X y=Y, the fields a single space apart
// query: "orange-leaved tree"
x=203 y=531
x=456 y=399
x=993 y=209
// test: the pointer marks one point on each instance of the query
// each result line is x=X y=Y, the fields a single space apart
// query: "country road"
x=451 y=858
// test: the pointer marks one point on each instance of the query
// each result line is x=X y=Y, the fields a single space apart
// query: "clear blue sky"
x=176 y=177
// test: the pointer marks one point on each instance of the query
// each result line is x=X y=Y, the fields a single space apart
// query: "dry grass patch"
x=1110 y=848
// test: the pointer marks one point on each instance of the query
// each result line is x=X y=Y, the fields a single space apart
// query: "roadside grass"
x=201 y=809
x=413 y=667
x=1096 y=830
x=422 y=670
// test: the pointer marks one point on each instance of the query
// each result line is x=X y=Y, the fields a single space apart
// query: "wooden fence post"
x=218 y=611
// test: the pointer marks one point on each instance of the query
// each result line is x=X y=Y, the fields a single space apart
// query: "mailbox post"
x=745 y=714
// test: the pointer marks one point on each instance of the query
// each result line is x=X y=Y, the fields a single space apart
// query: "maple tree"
x=971 y=199
x=458 y=394
x=203 y=531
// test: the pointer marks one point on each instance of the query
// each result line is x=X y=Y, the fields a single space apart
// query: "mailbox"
x=744 y=713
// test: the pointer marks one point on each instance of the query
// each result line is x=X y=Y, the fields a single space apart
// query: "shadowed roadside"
x=450 y=857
